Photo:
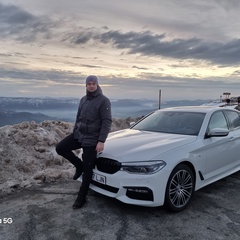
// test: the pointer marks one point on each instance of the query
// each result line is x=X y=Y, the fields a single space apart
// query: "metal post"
x=159 y=99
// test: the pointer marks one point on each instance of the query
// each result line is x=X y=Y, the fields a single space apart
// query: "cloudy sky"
x=189 y=49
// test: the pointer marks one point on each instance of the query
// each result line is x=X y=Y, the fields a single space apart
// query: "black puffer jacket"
x=93 y=121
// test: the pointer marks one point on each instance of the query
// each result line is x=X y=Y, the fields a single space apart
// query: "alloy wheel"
x=179 y=188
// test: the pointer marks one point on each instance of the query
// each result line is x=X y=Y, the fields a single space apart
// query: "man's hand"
x=100 y=147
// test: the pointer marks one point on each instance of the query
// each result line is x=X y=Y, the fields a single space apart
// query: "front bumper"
x=137 y=189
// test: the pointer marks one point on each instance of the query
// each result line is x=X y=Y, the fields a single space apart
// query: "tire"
x=180 y=188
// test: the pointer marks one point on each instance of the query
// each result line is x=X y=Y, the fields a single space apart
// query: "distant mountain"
x=22 y=103
x=19 y=109
x=11 y=117
x=178 y=103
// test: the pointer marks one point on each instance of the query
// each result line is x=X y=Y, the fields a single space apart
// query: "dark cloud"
x=5 y=54
x=148 y=44
x=10 y=14
x=148 y=80
x=236 y=73
x=140 y=68
x=90 y=66
x=148 y=85
x=20 y=25
x=54 y=75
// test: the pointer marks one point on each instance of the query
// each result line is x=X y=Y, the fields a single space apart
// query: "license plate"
x=99 y=178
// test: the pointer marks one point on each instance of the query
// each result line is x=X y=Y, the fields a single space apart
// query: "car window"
x=234 y=118
x=187 y=123
x=217 y=120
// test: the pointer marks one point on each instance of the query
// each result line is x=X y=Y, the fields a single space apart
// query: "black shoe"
x=78 y=173
x=80 y=201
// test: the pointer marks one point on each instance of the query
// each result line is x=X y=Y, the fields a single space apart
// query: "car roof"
x=199 y=109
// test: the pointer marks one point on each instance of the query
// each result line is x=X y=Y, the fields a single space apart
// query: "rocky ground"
x=28 y=156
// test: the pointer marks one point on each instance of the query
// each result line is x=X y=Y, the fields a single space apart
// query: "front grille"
x=107 y=165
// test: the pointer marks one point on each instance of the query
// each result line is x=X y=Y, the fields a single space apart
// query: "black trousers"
x=65 y=148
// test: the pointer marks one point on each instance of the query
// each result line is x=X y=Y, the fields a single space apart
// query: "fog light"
x=139 y=193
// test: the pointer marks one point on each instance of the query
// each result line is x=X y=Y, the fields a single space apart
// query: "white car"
x=169 y=154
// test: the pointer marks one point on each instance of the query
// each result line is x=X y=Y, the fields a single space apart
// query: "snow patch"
x=28 y=156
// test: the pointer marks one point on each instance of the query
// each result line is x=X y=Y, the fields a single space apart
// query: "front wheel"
x=180 y=188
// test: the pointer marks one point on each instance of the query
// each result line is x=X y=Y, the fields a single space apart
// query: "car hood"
x=133 y=145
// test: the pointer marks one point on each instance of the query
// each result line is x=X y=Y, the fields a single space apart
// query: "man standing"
x=93 y=123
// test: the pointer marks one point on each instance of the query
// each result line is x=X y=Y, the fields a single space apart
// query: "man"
x=93 y=123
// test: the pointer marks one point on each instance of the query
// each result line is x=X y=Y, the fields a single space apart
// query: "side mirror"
x=218 y=132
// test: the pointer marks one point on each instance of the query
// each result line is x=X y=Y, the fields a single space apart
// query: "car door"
x=218 y=151
x=234 y=120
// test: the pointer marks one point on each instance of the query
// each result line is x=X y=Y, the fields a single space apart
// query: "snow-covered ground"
x=28 y=156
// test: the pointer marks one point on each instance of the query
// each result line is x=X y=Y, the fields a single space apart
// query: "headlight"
x=143 y=167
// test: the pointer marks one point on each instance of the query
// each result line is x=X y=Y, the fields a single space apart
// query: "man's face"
x=91 y=86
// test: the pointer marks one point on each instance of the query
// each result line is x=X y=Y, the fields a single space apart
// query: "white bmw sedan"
x=169 y=154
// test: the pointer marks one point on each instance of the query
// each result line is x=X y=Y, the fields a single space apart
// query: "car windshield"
x=187 y=123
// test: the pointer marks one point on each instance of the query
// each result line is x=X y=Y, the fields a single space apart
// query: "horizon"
x=116 y=99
